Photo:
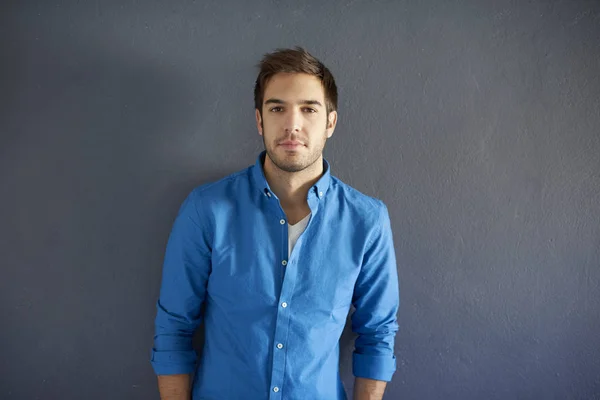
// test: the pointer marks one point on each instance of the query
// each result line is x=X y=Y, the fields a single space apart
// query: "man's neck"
x=292 y=187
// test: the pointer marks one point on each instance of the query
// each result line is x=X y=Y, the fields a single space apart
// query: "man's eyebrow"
x=308 y=102
x=274 y=101
x=311 y=102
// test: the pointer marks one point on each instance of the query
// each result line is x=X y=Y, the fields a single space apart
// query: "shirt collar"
x=319 y=188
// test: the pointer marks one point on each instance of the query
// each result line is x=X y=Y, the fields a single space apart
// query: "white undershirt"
x=294 y=232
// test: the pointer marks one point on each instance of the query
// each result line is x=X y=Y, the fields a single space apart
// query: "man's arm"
x=368 y=389
x=185 y=274
x=376 y=301
x=174 y=387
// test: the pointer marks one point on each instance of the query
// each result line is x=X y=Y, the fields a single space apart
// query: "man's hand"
x=368 y=389
x=174 y=387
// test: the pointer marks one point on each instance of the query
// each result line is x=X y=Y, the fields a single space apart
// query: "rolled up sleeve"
x=376 y=301
x=185 y=274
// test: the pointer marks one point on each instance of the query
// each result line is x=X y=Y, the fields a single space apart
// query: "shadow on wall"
x=90 y=196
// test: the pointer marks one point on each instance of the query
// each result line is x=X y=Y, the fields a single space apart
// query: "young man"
x=278 y=252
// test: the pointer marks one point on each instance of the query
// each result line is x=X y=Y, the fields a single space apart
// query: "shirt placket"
x=283 y=315
x=284 y=305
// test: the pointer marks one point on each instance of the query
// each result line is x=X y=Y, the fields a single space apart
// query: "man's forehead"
x=282 y=85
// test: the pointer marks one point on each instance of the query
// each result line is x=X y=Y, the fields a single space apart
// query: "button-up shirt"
x=272 y=322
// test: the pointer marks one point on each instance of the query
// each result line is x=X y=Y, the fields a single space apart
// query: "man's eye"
x=276 y=109
x=310 y=110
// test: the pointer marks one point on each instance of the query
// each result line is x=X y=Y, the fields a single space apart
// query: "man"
x=278 y=252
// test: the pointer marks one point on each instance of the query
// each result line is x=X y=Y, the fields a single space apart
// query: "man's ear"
x=258 y=122
x=331 y=123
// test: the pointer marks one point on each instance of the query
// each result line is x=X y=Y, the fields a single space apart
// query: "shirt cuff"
x=173 y=362
x=378 y=367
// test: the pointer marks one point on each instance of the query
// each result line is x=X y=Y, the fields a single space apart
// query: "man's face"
x=294 y=122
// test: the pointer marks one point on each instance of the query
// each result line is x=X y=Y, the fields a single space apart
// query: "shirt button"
x=268 y=194
x=276 y=389
x=320 y=194
x=279 y=346
x=284 y=304
x=284 y=263
x=282 y=222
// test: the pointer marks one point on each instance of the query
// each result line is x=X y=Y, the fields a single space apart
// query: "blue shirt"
x=273 y=324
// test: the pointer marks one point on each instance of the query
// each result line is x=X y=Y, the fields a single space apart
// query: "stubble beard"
x=301 y=162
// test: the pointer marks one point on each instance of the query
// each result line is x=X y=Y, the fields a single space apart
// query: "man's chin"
x=288 y=161
x=290 y=167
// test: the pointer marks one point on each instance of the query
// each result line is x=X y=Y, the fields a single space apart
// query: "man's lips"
x=291 y=144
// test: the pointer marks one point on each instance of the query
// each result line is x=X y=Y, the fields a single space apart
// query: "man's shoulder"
x=357 y=200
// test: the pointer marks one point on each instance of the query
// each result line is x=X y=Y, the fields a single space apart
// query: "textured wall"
x=477 y=122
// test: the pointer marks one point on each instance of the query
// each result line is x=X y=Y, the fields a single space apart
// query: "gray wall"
x=477 y=122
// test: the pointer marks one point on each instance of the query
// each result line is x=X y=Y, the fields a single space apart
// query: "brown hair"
x=296 y=60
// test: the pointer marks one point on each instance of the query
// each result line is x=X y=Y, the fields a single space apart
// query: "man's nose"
x=293 y=122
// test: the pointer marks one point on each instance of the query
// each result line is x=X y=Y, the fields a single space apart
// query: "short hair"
x=296 y=60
